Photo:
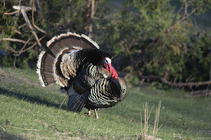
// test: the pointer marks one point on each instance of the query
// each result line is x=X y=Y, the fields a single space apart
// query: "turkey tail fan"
x=44 y=68
x=48 y=66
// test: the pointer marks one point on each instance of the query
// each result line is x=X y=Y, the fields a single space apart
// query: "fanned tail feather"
x=44 y=68
x=48 y=66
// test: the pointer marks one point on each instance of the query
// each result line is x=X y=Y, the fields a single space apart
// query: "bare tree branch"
x=26 y=8
x=14 y=40
x=33 y=9
x=4 y=3
x=185 y=15
x=12 y=13
x=91 y=18
x=32 y=46
x=18 y=32
x=17 y=10
x=29 y=25
x=23 y=10
x=21 y=25
x=185 y=10
x=10 y=49
x=21 y=50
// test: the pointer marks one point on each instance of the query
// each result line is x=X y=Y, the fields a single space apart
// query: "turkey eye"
x=106 y=61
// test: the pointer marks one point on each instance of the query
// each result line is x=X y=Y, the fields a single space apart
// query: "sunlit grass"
x=30 y=111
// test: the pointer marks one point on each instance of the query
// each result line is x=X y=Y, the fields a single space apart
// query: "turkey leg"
x=96 y=115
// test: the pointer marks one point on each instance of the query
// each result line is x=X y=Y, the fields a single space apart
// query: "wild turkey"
x=83 y=70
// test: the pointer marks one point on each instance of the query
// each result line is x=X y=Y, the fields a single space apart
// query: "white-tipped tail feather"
x=56 y=77
x=39 y=68
x=90 y=40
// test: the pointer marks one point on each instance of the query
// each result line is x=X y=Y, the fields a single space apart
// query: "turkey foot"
x=96 y=115
x=88 y=113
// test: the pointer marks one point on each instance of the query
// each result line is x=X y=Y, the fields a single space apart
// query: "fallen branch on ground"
x=201 y=93
x=174 y=84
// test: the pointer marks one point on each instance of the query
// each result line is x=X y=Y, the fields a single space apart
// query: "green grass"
x=29 y=111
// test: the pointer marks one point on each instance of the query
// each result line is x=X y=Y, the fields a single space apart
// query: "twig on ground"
x=62 y=102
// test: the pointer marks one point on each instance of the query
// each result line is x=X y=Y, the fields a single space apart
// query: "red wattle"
x=113 y=72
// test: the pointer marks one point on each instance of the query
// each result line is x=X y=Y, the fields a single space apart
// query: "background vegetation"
x=150 y=40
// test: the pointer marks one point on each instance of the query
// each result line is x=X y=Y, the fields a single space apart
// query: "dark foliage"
x=147 y=38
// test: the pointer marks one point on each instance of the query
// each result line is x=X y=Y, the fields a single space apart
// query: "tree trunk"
x=86 y=16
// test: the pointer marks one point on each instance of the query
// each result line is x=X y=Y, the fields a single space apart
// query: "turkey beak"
x=108 y=66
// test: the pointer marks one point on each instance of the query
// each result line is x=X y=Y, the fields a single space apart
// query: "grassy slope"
x=28 y=111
